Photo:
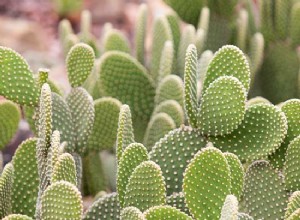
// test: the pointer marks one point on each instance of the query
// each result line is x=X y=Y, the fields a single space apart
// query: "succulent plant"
x=179 y=127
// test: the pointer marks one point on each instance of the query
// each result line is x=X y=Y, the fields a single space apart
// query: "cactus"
x=17 y=217
x=9 y=121
x=131 y=213
x=132 y=156
x=115 y=40
x=26 y=179
x=64 y=195
x=6 y=185
x=230 y=208
x=140 y=32
x=146 y=187
x=177 y=200
x=201 y=172
x=293 y=204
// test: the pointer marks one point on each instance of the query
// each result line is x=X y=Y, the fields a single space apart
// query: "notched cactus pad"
x=174 y=152
x=26 y=179
x=80 y=62
x=106 y=208
x=17 y=83
x=260 y=134
x=161 y=212
x=264 y=195
x=146 y=187
x=205 y=186
x=61 y=200
x=9 y=121
x=228 y=61
x=222 y=106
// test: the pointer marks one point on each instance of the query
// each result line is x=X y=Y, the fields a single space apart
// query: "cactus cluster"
x=171 y=137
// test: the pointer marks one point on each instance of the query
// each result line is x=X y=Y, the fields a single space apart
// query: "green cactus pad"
x=105 y=127
x=203 y=63
x=174 y=23
x=115 y=40
x=237 y=174
x=256 y=53
x=161 y=33
x=166 y=62
x=294 y=28
x=228 y=61
x=53 y=153
x=177 y=200
x=293 y=205
x=17 y=83
x=159 y=125
x=260 y=134
x=61 y=200
x=131 y=213
x=80 y=62
x=62 y=121
x=125 y=135
x=264 y=196
x=26 y=178
x=132 y=156
x=202 y=172
x=161 y=212
x=173 y=109
x=9 y=121
x=190 y=85
x=140 y=32
x=117 y=68
x=291 y=109
x=146 y=187
x=291 y=166
x=222 y=107
x=83 y=113
x=174 y=152
x=6 y=185
x=17 y=217
x=188 y=37
x=171 y=87
x=106 y=208
x=78 y=164
x=64 y=169
x=230 y=208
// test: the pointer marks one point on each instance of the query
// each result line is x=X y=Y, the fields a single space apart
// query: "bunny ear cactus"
x=17 y=217
x=115 y=40
x=106 y=208
x=17 y=82
x=132 y=156
x=140 y=33
x=293 y=205
x=230 y=208
x=166 y=62
x=6 y=185
x=264 y=195
x=64 y=195
x=26 y=178
x=9 y=121
x=80 y=62
x=146 y=187
x=131 y=213
x=201 y=172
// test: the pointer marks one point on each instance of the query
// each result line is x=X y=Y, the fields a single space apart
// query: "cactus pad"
x=264 y=195
x=293 y=205
x=230 y=208
x=80 y=62
x=177 y=200
x=132 y=156
x=146 y=187
x=140 y=32
x=6 y=185
x=17 y=217
x=222 y=106
x=105 y=127
x=131 y=213
x=26 y=179
x=17 y=83
x=115 y=40
x=61 y=200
